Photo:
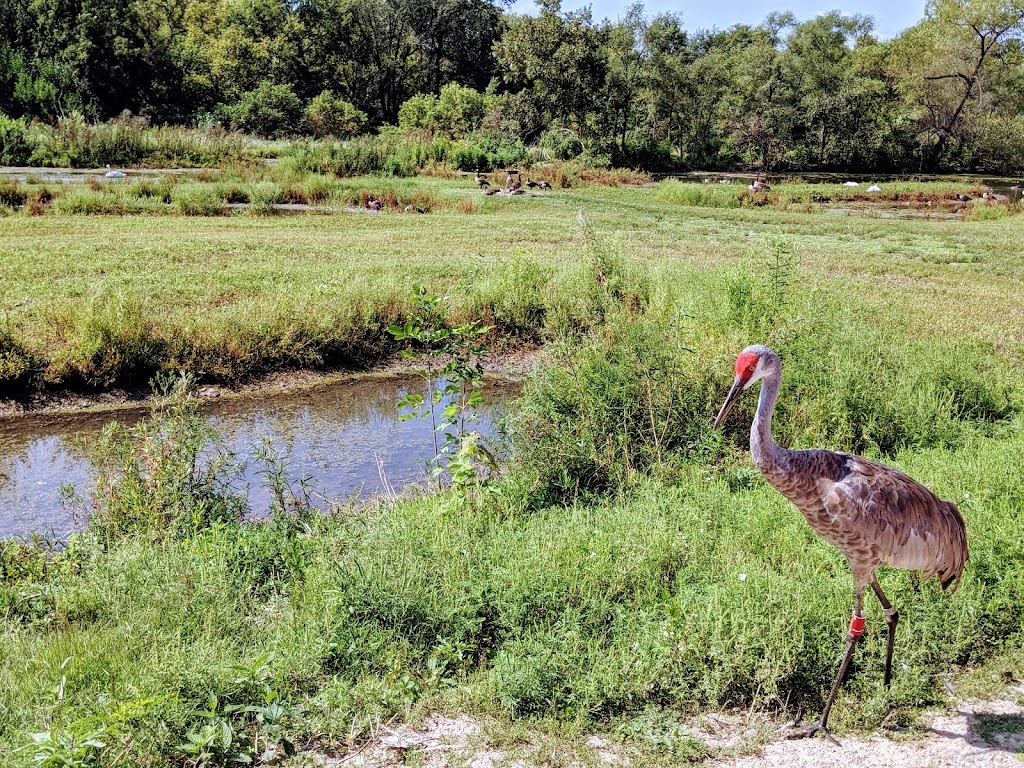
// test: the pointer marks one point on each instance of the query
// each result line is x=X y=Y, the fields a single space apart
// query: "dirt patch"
x=971 y=735
x=984 y=734
x=512 y=365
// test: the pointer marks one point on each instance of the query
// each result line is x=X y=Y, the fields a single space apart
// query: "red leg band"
x=857 y=625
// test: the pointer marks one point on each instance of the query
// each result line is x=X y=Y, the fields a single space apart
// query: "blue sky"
x=891 y=16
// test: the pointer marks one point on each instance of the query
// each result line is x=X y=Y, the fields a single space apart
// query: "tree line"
x=826 y=92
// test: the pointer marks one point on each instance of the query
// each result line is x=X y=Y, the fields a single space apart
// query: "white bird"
x=874 y=188
x=851 y=184
x=113 y=174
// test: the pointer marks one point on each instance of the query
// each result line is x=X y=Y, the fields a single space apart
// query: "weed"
x=454 y=378
x=158 y=478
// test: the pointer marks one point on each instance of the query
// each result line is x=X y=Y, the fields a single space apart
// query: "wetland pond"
x=346 y=437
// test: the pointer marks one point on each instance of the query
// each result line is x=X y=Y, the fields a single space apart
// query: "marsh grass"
x=809 y=197
x=127 y=141
x=196 y=200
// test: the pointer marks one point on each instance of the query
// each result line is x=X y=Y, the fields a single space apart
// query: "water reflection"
x=343 y=437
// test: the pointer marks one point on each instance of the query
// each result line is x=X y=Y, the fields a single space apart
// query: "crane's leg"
x=892 y=618
x=854 y=633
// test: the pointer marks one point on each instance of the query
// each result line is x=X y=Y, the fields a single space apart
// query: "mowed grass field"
x=628 y=570
x=98 y=300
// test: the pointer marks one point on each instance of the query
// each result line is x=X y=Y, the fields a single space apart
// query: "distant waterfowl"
x=820 y=198
x=374 y=204
x=113 y=174
x=874 y=188
x=489 y=190
x=484 y=185
x=480 y=178
x=759 y=186
x=962 y=198
x=851 y=184
x=544 y=185
x=992 y=197
x=531 y=184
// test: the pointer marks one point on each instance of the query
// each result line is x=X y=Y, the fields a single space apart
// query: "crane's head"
x=755 y=362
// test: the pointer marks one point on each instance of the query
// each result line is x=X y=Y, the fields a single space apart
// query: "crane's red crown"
x=745 y=364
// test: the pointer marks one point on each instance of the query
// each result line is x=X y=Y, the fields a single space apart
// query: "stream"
x=346 y=437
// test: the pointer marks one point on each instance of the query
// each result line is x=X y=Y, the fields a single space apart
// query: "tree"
x=943 y=63
x=555 y=69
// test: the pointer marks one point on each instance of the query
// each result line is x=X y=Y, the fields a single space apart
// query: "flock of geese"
x=513 y=184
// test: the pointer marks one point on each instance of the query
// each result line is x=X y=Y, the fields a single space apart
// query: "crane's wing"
x=894 y=519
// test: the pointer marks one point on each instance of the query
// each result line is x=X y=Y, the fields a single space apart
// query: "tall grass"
x=698 y=593
x=129 y=141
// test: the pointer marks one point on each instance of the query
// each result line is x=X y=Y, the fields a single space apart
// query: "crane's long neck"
x=765 y=452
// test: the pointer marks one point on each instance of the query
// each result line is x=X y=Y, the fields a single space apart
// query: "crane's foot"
x=808 y=731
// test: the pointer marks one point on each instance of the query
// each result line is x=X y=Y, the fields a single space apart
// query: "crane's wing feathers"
x=876 y=514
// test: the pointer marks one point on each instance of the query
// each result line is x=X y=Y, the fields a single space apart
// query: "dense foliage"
x=639 y=90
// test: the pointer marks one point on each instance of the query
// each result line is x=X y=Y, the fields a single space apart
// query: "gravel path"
x=986 y=734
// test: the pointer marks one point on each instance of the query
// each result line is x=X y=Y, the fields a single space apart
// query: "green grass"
x=632 y=569
x=230 y=297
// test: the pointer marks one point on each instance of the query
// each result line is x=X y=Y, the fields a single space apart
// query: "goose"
x=759 y=186
x=544 y=185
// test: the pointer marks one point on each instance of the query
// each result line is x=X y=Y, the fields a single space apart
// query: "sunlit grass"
x=634 y=569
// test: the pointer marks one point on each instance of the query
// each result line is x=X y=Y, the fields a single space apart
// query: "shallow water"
x=345 y=437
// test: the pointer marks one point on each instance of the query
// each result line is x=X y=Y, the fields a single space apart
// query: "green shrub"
x=330 y=115
x=270 y=111
x=15 y=145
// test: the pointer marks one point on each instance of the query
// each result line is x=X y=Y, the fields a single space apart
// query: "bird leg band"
x=856 y=626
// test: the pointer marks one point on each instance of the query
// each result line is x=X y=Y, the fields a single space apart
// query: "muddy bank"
x=511 y=365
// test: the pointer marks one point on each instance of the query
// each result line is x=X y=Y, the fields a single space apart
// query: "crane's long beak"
x=730 y=400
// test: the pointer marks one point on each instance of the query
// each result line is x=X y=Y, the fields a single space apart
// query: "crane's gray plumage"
x=874 y=514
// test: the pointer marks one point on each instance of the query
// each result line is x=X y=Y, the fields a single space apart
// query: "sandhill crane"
x=872 y=513
x=113 y=174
